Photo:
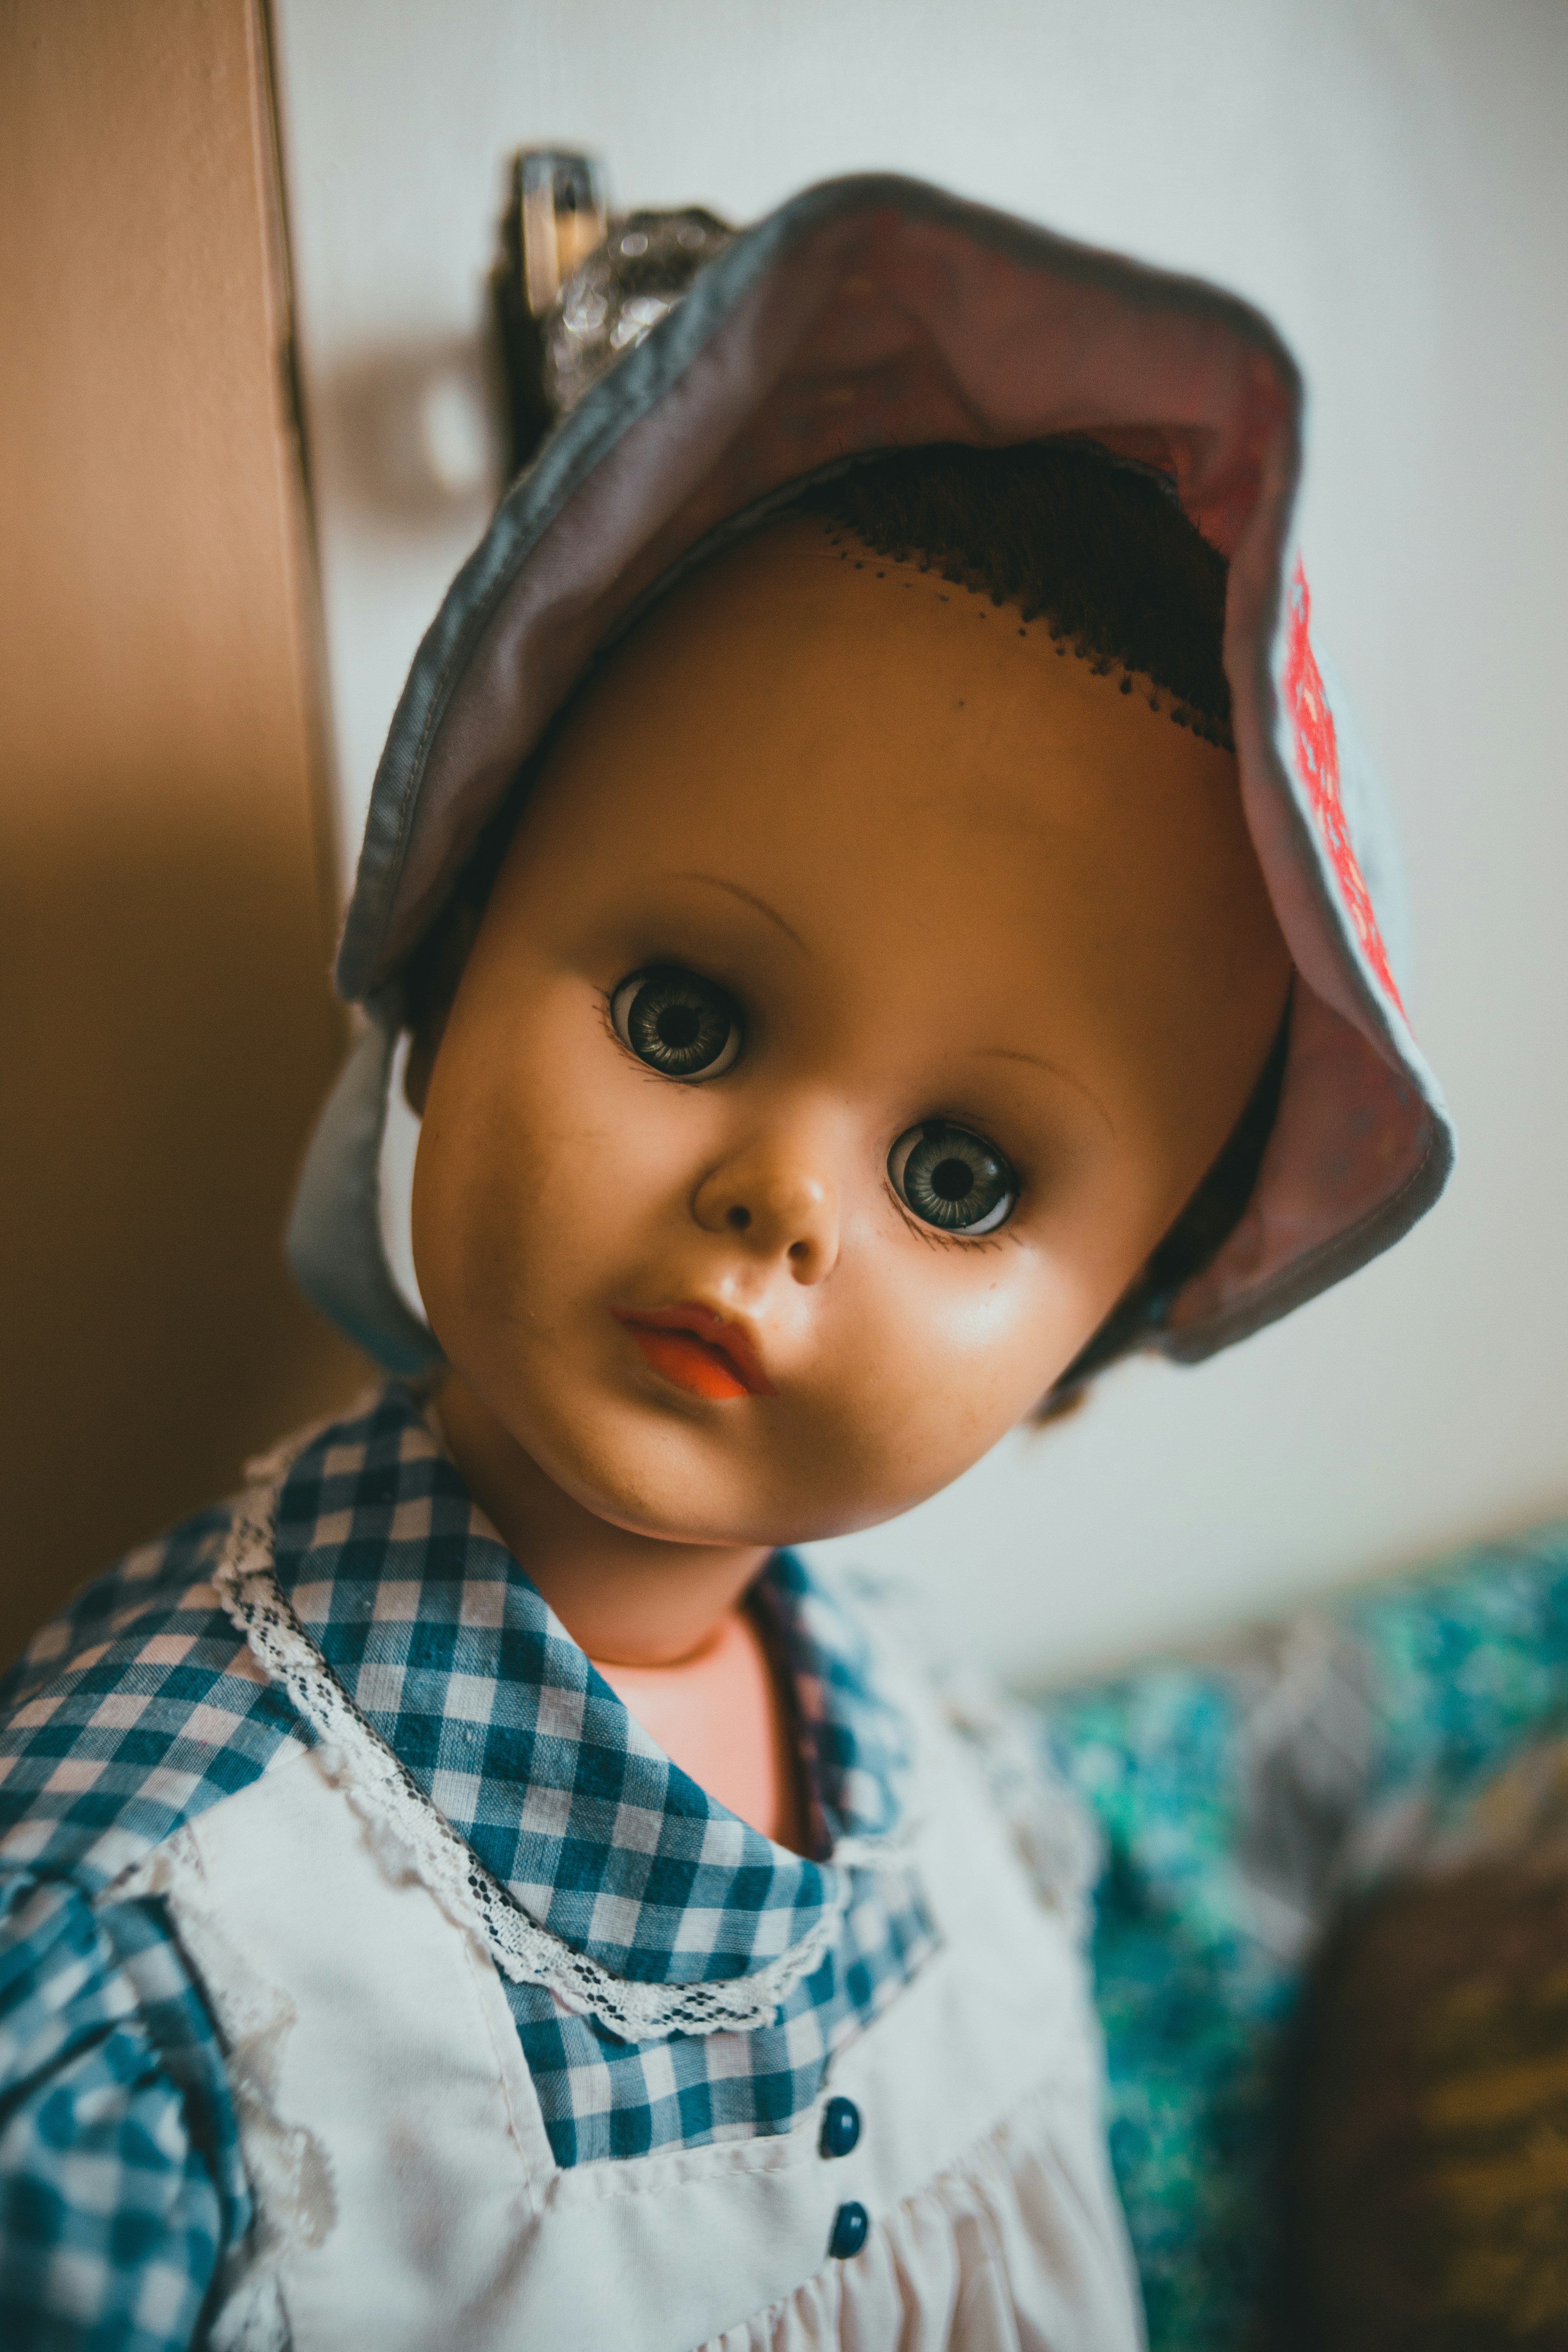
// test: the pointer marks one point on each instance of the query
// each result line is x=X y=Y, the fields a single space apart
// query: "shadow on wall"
x=416 y=429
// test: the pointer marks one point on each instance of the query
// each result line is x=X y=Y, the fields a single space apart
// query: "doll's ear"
x=429 y=985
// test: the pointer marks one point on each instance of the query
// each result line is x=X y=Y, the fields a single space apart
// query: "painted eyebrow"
x=747 y=899
x=1011 y=1054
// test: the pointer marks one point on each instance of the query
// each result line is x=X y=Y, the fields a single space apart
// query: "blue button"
x=840 y=2126
x=850 y=2224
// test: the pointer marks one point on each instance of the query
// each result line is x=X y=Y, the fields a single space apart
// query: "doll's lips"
x=697 y=1349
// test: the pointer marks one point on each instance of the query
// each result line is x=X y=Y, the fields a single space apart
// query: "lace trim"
x=413 y=1838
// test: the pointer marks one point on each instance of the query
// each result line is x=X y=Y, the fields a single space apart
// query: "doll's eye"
x=677 y=1022
x=953 y=1179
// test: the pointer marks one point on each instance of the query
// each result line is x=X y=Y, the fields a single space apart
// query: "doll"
x=870 y=960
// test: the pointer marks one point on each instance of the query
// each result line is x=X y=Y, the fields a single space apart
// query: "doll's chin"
x=654 y=1498
x=644 y=1481
x=760 y=1473
x=660 y=1507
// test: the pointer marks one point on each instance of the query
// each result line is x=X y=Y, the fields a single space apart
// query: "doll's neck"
x=630 y=1600
x=722 y=1715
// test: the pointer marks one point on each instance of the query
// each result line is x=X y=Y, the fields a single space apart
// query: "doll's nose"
x=784 y=1207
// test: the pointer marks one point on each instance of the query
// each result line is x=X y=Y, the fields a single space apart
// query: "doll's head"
x=877 y=968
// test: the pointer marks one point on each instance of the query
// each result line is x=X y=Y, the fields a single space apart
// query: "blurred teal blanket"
x=1239 y=1797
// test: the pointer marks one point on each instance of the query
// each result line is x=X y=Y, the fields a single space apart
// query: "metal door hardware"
x=576 y=286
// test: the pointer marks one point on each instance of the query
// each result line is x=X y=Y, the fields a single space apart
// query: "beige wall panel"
x=164 y=917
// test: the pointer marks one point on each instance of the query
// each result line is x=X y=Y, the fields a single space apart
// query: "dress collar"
x=456 y=1660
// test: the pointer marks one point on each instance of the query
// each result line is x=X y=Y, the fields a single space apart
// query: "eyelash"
x=935 y=1235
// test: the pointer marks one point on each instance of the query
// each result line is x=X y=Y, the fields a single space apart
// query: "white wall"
x=1391 y=183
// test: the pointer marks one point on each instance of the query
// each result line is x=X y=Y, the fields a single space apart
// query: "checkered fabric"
x=121 y=2177
x=454 y=1660
x=121 y=2182
x=602 y=2097
x=134 y=1711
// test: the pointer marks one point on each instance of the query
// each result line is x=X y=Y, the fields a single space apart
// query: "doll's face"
x=866 y=989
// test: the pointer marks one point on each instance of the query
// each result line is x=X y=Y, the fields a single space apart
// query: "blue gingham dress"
x=121 y=2185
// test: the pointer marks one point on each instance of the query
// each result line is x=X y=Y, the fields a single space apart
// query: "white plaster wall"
x=1391 y=183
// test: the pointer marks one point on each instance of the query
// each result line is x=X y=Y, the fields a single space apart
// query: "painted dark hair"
x=1095 y=547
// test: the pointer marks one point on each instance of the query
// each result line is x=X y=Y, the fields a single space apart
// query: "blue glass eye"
x=677 y=1022
x=953 y=1179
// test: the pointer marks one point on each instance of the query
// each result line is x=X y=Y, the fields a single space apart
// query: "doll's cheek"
x=958 y=1400
x=918 y=1397
x=979 y=1324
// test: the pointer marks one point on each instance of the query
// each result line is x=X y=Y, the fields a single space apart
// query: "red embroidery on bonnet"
x=1318 y=759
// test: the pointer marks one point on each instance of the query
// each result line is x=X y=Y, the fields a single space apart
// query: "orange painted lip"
x=699 y=1350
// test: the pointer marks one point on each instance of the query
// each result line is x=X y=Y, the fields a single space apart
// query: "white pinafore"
x=408 y=2199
